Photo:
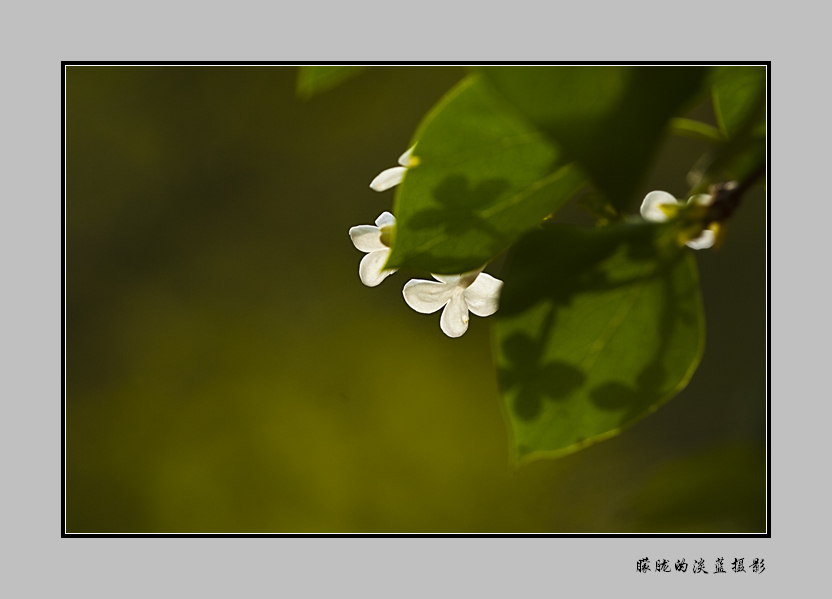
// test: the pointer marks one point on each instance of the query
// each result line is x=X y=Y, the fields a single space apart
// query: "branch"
x=727 y=196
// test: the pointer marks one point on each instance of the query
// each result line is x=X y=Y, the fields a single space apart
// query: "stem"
x=727 y=196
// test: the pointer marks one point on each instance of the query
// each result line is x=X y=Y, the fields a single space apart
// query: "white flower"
x=476 y=291
x=658 y=206
x=374 y=241
x=393 y=176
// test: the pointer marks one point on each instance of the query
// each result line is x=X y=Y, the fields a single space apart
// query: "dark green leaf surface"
x=596 y=329
x=738 y=95
x=739 y=105
x=314 y=79
x=608 y=118
x=483 y=178
x=740 y=109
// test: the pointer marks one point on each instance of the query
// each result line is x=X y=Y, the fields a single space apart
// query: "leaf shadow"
x=651 y=382
x=458 y=205
x=535 y=378
x=557 y=276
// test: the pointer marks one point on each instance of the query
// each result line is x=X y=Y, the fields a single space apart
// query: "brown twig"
x=727 y=196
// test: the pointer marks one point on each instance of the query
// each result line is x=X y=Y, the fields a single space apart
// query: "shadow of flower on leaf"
x=534 y=378
x=458 y=206
x=552 y=270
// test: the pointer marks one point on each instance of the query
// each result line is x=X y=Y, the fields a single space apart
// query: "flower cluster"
x=455 y=295
x=659 y=206
x=371 y=240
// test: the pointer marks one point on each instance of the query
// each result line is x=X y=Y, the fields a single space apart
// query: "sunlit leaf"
x=483 y=178
x=596 y=329
x=608 y=118
x=314 y=79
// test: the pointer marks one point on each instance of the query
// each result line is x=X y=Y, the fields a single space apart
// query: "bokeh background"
x=228 y=372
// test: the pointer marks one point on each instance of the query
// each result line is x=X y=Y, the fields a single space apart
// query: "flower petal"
x=463 y=280
x=650 y=209
x=426 y=296
x=385 y=218
x=367 y=238
x=467 y=279
x=370 y=269
x=704 y=241
x=388 y=178
x=405 y=158
x=483 y=296
x=454 y=320
x=447 y=279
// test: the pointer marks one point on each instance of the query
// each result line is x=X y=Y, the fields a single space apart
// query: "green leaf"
x=610 y=119
x=695 y=130
x=738 y=96
x=483 y=178
x=596 y=329
x=314 y=79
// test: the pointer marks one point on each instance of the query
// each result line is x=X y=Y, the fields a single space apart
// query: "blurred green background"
x=228 y=372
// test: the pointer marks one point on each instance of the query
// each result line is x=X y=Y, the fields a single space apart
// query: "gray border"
x=381 y=567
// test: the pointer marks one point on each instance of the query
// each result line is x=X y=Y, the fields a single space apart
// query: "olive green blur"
x=227 y=372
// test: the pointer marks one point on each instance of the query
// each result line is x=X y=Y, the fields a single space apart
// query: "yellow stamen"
x=670 y=210
x=387 y=235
